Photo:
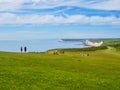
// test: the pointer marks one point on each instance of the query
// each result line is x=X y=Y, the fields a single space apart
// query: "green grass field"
x=69 y=71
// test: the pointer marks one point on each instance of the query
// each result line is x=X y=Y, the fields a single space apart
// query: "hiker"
x=25 y=49
x=21 y=49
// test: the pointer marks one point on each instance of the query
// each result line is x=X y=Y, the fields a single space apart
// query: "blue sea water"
x=38 y=45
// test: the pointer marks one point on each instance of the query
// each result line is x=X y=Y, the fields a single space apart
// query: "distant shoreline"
x=43 y=45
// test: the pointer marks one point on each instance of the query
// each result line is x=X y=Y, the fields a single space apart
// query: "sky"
x=48 y=19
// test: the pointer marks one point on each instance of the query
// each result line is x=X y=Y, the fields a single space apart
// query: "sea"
x=40 y=45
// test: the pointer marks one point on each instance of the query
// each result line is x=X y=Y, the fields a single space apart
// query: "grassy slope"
x=30 y=71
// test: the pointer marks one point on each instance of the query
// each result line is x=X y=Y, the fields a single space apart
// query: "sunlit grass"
x=69 y=71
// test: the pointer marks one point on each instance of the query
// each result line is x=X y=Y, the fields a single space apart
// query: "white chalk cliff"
x=93 y=44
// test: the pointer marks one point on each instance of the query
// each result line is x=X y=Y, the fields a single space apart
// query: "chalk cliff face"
x=94 y=44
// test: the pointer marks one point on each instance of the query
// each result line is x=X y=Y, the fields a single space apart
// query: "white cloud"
x=106 y=5
x=99 y=4
x=6 y=5
x=9 y=18
x=104 y=20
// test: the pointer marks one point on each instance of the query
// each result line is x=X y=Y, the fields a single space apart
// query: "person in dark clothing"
x=25 y=49
x=21 y=49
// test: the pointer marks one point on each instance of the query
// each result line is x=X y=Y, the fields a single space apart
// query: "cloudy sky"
x=38 y=19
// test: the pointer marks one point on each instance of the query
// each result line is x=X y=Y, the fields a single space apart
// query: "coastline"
x=42 y=45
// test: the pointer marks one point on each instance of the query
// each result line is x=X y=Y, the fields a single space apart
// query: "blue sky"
x=41 y=19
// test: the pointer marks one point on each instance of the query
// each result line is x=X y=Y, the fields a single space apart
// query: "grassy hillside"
x=69 y=71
